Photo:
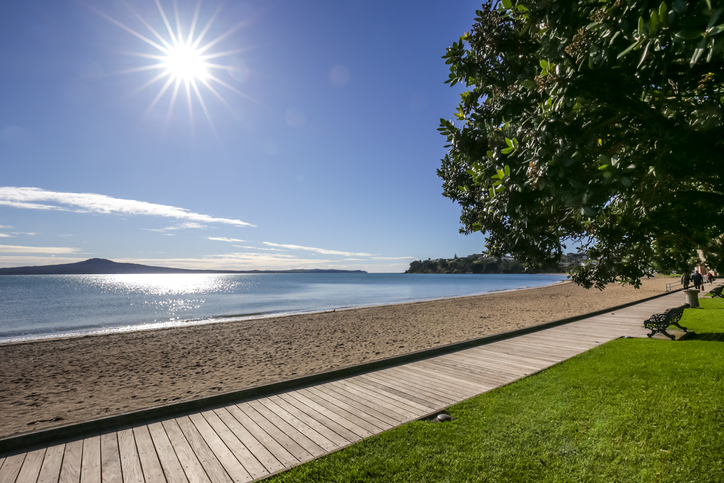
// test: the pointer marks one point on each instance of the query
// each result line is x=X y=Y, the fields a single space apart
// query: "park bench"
x=659 y=322
x=716 y=291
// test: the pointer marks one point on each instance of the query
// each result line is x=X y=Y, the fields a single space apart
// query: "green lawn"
x=630 y=410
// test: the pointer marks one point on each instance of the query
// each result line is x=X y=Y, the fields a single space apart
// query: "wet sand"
x=61 y=381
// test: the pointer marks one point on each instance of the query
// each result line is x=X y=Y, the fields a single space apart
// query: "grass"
x=630 y=410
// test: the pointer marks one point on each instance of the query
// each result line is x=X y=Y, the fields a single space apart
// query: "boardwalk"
x=256 y=438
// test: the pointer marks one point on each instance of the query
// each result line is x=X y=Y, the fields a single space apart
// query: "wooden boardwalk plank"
x=147 y=456
x=252 y=466
x=347 y=431
x=421 y=386
x=172 y=467
x=50 y=472
x=317 y=422
x=189 y=460
x=462 y=362
x=342 y=417
x=90 y=469
x=226 y=457
x=554 y=350
x=31 y=467
x=504 y=361
x=130 y=463
x=284 y=457
x=248 y=419
x=278 y=419
x=414 y=384
x=401 y=409
x=453 y=375
x=11 y=467
x=285 y=441
x=260 y=452
x=315 y=432
x=72 y=460
x=393 y=389
x=364 y=401
x=369 y=415
x=215 y=471
x=110 y=459
x=391 y=394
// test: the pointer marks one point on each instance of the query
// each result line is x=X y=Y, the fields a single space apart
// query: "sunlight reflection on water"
x=167 y=284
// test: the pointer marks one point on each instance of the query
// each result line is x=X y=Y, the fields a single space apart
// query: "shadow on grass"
x=707 y=336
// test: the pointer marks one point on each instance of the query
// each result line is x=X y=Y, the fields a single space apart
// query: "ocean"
x=47 y=306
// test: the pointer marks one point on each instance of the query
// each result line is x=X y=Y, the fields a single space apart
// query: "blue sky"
x=314 y=147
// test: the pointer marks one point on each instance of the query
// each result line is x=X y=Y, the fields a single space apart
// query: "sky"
x=240 y=135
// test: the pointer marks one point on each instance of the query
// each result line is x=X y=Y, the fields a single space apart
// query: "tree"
x=592 y=122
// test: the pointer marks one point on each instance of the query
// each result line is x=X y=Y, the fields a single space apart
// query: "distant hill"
x=101 y=266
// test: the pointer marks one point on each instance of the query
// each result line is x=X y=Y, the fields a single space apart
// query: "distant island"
x=101 y=266
x=479 y=263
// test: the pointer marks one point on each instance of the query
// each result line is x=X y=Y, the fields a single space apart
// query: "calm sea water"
x=42 y=306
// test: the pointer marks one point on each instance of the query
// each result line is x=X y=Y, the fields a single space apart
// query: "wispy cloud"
x=48 y=250
x=260 y=248
x=183 y=226
x=323 y=251
x=39 y=199
x=225 y=239
x=5 y=235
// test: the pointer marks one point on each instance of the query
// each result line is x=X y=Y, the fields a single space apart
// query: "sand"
x=61 y=381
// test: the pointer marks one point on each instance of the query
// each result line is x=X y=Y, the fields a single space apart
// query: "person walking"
x=685 y=280
x=698 y=280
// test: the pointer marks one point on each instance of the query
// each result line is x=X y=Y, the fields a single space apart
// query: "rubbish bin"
x=692 y=298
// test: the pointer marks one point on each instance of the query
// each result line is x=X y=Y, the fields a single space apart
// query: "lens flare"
x=183 y=58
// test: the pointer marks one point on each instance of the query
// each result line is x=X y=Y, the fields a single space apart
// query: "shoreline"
x=224 y=319
x=53 y=382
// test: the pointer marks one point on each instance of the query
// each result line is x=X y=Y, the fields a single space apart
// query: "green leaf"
x=641 y=26
x=629 y=49
x=509 y=142
x=490 y=154
x=714 y=18
x=508 y=150
x=507 y=170
x=716 y=30
x=643 y=56
x=698 y=52
x=544 y=64
x=688 y=34
x=663 y=12
x=507 y=4
x=653 y=23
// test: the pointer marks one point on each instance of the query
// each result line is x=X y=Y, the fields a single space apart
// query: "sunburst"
x=184 y=59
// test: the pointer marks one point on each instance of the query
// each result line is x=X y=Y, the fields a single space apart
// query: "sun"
x=185 y=60
x=186 y=63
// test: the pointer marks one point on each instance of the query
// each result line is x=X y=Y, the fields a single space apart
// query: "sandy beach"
x=62 y=381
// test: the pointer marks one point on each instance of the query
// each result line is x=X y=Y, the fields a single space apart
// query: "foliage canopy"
x=599 y=122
